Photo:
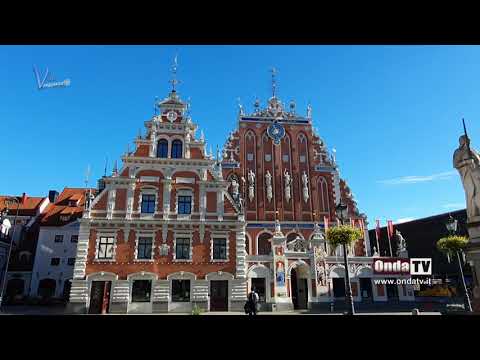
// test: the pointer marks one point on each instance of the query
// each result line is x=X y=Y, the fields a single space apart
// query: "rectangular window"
x=285 y=158
x=148 y=204
x=74 y=239
x=144 y=250
x=182 y=249
x=184 y=204
x=105 y=248
x=141 y=290
x=181 y=290
x=219 y=249
x=55 y=261
x=58 y=238
x=71 y=261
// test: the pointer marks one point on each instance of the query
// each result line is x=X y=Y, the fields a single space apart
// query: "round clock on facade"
x=172 y=116
x=276 y=132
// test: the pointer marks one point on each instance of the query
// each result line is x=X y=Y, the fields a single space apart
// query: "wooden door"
x=219 y=295
x=96 y=297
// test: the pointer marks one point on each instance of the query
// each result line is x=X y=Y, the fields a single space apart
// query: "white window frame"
x=183 y=236
x=223 y=236
x=55 y=237
x=148 y=191
x=184 y=192
x=138 y=235
x=108 y=235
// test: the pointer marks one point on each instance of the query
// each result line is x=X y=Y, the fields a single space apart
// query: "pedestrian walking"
x=252 y=303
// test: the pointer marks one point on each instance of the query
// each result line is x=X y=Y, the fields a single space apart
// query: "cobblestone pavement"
x=59 y=310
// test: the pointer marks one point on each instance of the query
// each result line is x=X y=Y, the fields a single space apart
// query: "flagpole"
x=389 y=228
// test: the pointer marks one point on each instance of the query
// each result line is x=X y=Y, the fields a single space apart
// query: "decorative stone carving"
x=298 y=245
x=251 y=185
x=401 y=244
x=305 y=186
x=268 y=182
x=278 y=229
x=467 y=162
x=235 y=186
x=288 y=182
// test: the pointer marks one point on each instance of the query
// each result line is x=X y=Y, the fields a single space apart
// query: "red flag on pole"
x=390 y=234
x=377 y=235
x=389 y=229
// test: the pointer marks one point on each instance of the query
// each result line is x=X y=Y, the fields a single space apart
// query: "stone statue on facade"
x=401 y=243
x=305 y=186
x=268 y=182
x=467 y=162
x=278 y=229
x=288 y=181
x=251 y=185
x=235 y=187
x=309 y=111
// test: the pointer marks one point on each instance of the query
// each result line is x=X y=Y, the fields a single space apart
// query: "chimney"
x=52 y=196
x=24 y=198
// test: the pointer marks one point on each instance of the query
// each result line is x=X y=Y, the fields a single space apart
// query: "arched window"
x=176 y=149
x=162 y=149
x=264 y=246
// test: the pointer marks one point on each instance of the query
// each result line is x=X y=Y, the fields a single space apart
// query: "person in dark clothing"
x=251 y=305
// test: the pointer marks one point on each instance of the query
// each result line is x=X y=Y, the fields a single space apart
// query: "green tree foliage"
x=343 y=234
x=451 y=244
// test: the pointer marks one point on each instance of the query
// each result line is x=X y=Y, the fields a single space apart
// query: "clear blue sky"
x=392 y=112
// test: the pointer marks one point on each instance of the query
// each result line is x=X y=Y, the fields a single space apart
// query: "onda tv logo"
x=402 y=266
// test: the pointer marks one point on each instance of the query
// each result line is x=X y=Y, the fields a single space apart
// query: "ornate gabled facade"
x=174 y=228
x=288 y=185
x=163 y=234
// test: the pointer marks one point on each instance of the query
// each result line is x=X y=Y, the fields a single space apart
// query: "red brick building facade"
x=175 y=228
x=163 y=234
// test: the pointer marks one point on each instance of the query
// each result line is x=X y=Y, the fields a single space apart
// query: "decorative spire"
x=105 y=170
x=87 y=175
x=274 y=81
x=155 y=109
x=174 y=80
x=115 y=170
x=240 y=108
x=202 y=136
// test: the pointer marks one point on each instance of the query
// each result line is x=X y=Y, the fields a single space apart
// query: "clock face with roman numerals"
x=172 y=116
x=276 y=131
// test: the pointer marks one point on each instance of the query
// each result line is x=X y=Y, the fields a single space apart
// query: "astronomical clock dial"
x=172 y=116
x=276 y=132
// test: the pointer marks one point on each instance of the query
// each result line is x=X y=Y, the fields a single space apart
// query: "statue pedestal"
x=472 y=252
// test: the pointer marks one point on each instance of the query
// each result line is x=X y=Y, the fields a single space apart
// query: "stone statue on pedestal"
x=401 y=244
x=467 y=162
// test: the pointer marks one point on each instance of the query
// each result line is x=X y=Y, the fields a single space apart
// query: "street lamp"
x=342 y=213
x=8 y=202
x=451 y=225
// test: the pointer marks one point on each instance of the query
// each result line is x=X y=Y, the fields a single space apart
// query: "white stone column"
x=167 y=188
x=202 y=202
x=241 y=265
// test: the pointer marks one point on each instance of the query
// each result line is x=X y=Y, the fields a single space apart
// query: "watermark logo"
x=48 y=80
x=402 y=266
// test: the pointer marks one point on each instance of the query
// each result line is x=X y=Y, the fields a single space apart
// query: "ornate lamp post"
x=451 y=226
x=341 y=211
x=8 y=202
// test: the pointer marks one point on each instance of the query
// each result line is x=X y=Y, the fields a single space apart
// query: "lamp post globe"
x=451 y=224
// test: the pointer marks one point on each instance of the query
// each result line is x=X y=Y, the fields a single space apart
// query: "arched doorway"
x=46 y=288
x=14 y=291
x=299 y=287
x=264 y=245
x=66 y=289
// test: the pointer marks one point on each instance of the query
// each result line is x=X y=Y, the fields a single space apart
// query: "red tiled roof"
x=61 y=212
x=27 y=206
